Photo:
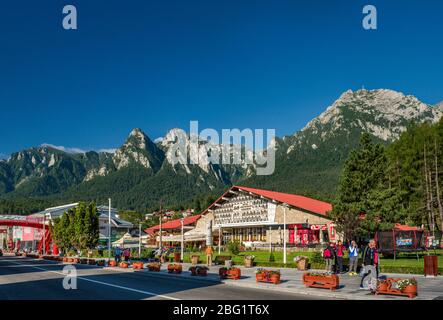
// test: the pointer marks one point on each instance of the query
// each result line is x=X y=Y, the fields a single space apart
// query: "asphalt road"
x=25 y=278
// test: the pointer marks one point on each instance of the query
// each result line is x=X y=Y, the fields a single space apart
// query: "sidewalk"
x=291 y=282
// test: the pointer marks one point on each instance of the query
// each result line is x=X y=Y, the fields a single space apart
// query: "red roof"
x=401 y=227
x=301 y=202
x=174 y=224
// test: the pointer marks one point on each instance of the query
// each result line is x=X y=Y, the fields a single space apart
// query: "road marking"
x=104 y=283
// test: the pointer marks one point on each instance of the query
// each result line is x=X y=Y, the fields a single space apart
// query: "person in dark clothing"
x=328 y=255
x=339 y=252
x=370 y=261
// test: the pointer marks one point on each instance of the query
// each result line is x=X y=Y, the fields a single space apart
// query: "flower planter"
x=75 y=260
x=84 y=261
x=399 y=287
x=154 y=267
x=232 y=273
x=194 y=259
x=112 y=263
x=123 y=265
x=383 y=286
x=137 y=265
x=302 y=265
x=101 y=263
x=175 y=268
x=91 y=262
x=249 y=261
x=268 y=276
x=199 y=271
x=320 y=280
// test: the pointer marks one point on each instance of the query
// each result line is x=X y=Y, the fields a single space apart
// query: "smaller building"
x=118 y=226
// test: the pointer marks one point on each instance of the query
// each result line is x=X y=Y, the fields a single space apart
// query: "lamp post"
x=139 y=240
x=219 y=239
x=284 y=233
x=183 y=240
x=270 y=239
x=109 y=230
x=161 y=231
x=44 y=234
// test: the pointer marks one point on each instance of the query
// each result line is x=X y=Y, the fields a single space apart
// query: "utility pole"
x=140 y=240
x=44 y=234
x=161 y=231
x=109 y=231
x=183 y=240
x=284 y=233
x=219 y=239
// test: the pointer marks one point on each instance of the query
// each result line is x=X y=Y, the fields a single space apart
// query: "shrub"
x=317 y=258
x=234 y=247
x=271 y=257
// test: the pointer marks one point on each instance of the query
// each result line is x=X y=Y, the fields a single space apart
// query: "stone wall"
x=297 y=216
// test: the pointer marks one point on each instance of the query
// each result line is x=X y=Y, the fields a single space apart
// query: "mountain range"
x=141 y=172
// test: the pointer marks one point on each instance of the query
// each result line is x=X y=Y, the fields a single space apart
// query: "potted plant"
x=199 y=271
x=301 y=262
x=275 y=277
x=400 y=287
x=91 y=262
x=137 y=265
x=124 y=265
x=259 y=274
x=249 y=261
x=229 y=273
x=194 y=259
x=174 y=268
x=101 y=263
x=321 y=280
x=154 y=266
x=382 y=285
x=408 y=286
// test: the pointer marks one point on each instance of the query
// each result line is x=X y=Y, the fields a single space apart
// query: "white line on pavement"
x=103 y=283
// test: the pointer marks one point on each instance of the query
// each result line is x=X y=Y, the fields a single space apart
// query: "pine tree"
x=363 y=172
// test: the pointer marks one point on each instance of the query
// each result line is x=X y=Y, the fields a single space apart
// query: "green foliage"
x=363 y=173
x=132 y=216
x=271 y=257
x=317 y=258
x=77 y=228
x=234 y=247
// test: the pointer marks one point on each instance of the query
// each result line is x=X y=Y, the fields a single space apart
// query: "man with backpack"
x=370 y=262
x=328 y=255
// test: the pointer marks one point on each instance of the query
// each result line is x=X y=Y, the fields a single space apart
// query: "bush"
x=234 y=247
x=317 y=258
x=271 y=257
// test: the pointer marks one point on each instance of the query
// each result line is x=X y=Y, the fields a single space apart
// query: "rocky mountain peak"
x=138 y=149
x=383 y=113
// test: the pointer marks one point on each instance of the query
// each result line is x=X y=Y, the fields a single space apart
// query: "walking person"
x=339 y=251
x=353 y=258
x=126 y=254
x=209 y=252
x=370 y=263
x=117 y=254
x=328 y=255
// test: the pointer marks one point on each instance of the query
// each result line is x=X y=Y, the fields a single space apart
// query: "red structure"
x=31 y=222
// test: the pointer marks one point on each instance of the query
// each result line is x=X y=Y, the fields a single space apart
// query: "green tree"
x=363 y=172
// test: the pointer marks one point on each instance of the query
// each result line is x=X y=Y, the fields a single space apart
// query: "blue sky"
x=228 y=64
